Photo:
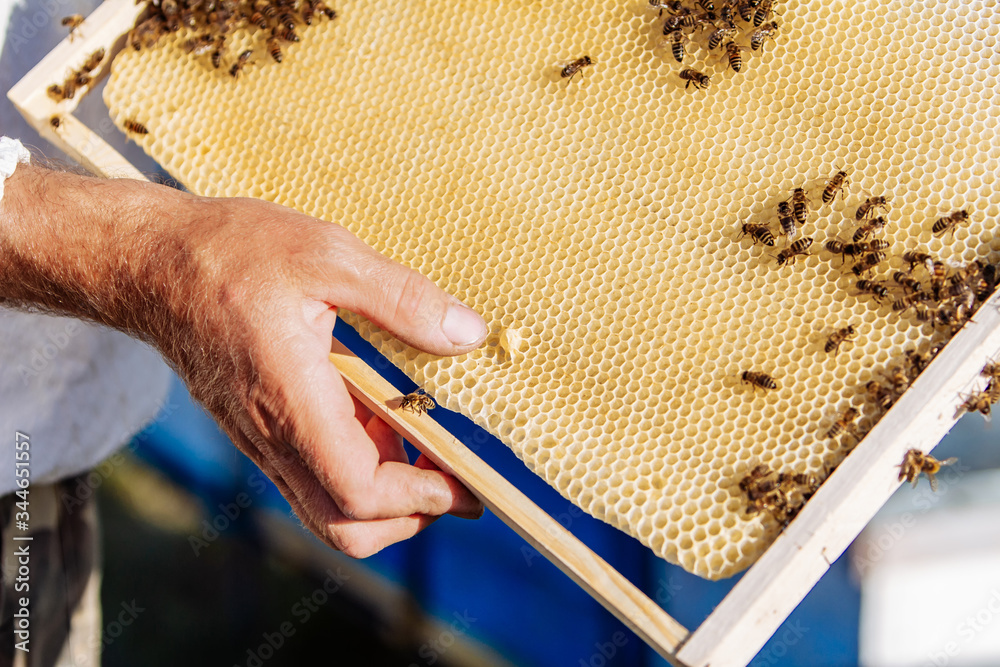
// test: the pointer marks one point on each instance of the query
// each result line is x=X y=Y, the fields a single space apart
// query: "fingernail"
x=463 y=326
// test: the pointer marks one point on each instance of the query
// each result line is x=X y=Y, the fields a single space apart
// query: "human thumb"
x=408 y=305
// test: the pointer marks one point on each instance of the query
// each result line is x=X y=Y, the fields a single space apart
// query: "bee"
x=306 y=12
x=762 y=13
x=760 y=380
x=758 y=482
x=939 y=275
x=773 y=503
x=217 y=54
x=804 y=480
x=992 y=371
x=916 y=462
x=756 y=474
x=324 y=10
x=855 y=249
x=265 y=8
x=55 y=91
x=188 y=18
x=707 y=5
x=81 y=79
x=948 y=317
x=69 y=88
x=914 y=257
x=735 y=56
x=786 y=218
x=284 y=34
x=569 y=71
x=693 y=76
x=836 y=339
x=759 y=233
x=55 y=122
x=868 y=207
x=977 y=402
x=799 y=205
x=917 y=361
x=147 y=33
x=418 y=402
x=868 y=228
x=258 y=19
x=987 y=283
x=923 y=313
x=882 y=396
x=73 y=21
x=745 y=10
x=240 y=63
x=677 y=40
x=835 y=186
x=762 y=34
x=844 y=423
x=200 y=45
x=899 y=378
x=949 y=222
x=133 y=126
x=868 y=262
x=836 y=246
x=908 y=283
x=877 y=290
x=94 y=60
x=800 y=247
x=725 y=32
x=671 y=5
x=908 y=301
x=274 y=48
x=287 y=21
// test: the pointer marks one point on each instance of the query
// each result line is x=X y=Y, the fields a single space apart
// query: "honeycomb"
x=595 y=222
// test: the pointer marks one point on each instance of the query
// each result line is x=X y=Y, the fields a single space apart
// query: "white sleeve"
x=12 y=153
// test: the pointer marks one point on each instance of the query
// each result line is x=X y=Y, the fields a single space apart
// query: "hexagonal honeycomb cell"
x=595 y=222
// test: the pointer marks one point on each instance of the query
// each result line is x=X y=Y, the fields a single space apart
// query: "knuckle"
x=411 y=299
x=358 y=507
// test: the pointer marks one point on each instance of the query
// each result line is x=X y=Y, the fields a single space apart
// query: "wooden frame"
x=768 y=592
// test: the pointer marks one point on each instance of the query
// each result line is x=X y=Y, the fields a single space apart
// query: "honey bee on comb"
x=869 y=206
x=759 y=233
x=868 y=228
x=727 y=31
x=575 y=67
x=837 y=338
x=417 y=402
x=916 y=462
x=786 y=219
x=845 y=423
x=734 y=55
x=835 y=186
x=695 y=78
x=949 y=222
x=133 y=126
x=788 y=255
x=762 y=34
x=759 y=380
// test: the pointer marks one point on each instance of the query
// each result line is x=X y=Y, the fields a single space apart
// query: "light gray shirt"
x=78 y=390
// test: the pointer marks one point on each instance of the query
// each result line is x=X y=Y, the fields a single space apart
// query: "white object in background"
x=930 y=575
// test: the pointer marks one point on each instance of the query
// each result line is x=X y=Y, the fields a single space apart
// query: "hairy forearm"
x=100 y=249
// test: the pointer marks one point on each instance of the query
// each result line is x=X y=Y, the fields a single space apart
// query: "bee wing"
x=948 y=462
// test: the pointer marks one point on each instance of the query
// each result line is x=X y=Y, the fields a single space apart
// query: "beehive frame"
x=768 y=592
